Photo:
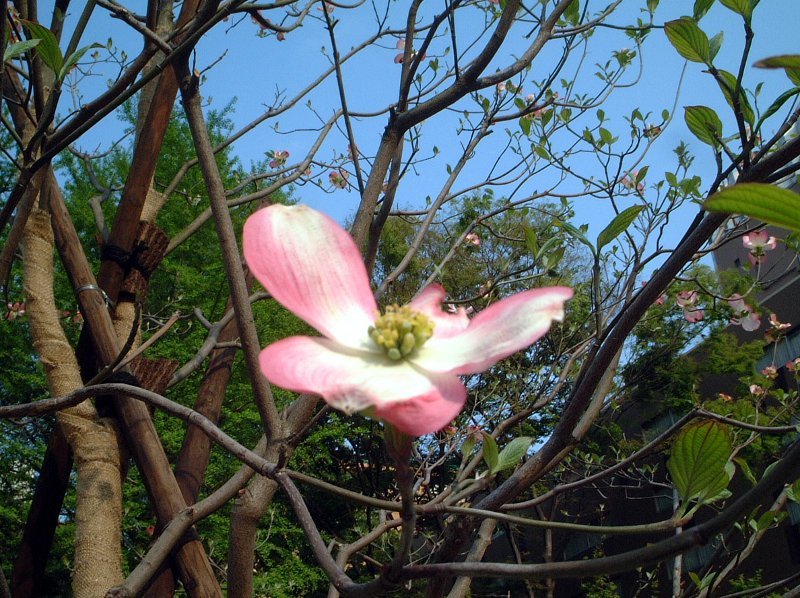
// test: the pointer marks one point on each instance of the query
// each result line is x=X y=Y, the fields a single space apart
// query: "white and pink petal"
x=310 y=265
x=429 y=302
x=412 y=400
x=496 y=332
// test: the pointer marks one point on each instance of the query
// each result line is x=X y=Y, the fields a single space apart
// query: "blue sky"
x=257 y=71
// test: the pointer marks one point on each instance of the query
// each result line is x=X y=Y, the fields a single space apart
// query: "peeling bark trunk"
x=98 y=514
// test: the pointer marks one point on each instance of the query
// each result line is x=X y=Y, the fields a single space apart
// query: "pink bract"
x=312 y=267
x=759 y=240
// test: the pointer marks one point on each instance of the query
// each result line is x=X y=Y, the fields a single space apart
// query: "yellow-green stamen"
x=400 y=331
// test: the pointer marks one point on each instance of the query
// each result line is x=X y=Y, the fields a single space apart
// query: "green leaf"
x=776 y=105
x=618 y=226
x=73 y=59
x=727 y=83
x=780 y=62
x=701 y=583
x=513 y=453
x=698 y=459
x=768 y=519
x=701 y=8
x=541 y=152
x=652 y=5
x=531 y=241
x=742 y=7
x=704 y=123
x=525 y=126
x=767 y=203
x=490 y=452
x=689 y=40
x=574 y=232
x=573 y=12
x=744 y=467
x=19 y=48
x=793 y=491
x=790 y=63
x=48 y=49
x=468 y=445
x=714 y=44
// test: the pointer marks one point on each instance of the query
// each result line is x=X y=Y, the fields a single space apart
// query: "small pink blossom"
x=724 y=397
x=473 y=239
x=628 y=182
x=279 y=158
x=686 y=301
x=776 y=329
x=758 y=242
x=757 y=391
x=686 y=298
x=743 y=314
x=402 y=366
x=652 y=131
x=401 y=45
x=794 y=365
x=693 y=315
x=338 y=178
x=15 y=310
x=281 y=36
x=770 y=372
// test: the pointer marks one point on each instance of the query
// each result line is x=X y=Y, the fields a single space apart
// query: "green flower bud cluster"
x=400 y=331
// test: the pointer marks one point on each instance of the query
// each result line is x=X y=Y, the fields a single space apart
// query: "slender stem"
x=230 y=254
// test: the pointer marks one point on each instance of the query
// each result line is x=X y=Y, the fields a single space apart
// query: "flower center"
x=400 y=331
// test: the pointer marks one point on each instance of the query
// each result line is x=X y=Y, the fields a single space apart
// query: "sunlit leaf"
x=780 y=62
x=790 y=63
x=778 y=103
x=525 y=126
x=742 y=7
x=698 y=459
x=704 y=123
x=47 y=49
x=73 y=59
x=573 y=12
x=618 y=225
x=19 y=48
x=701 y=8
x=513 y=453
x=767 y=203
x=727 y=83
x=714 y=44
x=689 y=40
x=490 y=452
x=531 y=241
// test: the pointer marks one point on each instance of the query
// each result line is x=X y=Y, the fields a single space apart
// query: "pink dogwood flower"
x=744 y=315
x=15 y=310
x=693 y=315
x=686 y=301
x=279 y=158
x=473 y=239
x=776 y=329
x=758 y=242
x=628 y=182
x=338 y=178
x=401 y=45
x=400 y=366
